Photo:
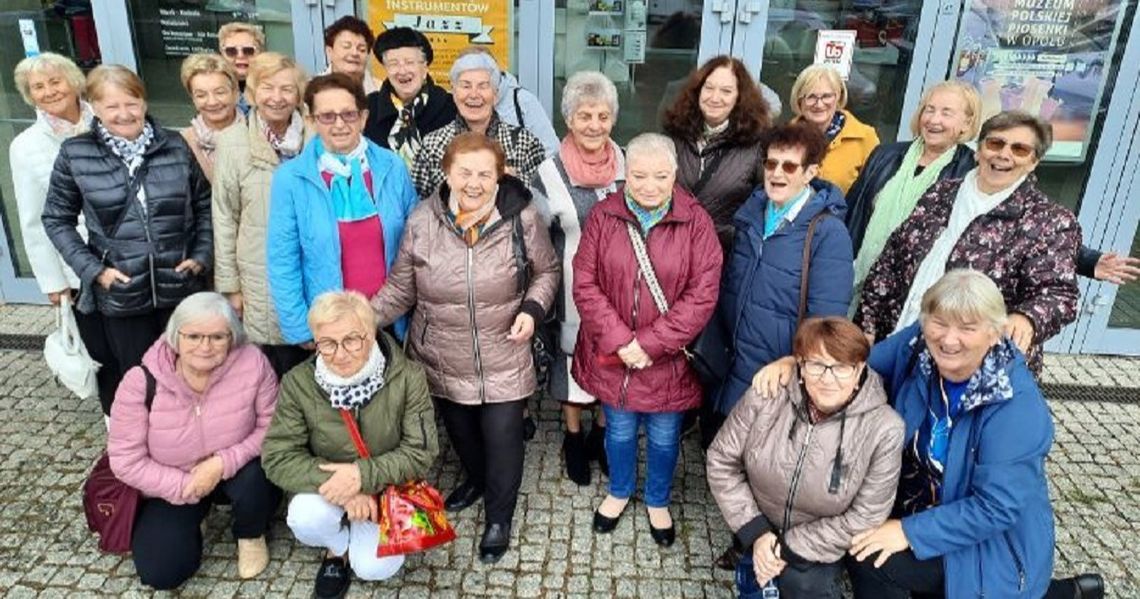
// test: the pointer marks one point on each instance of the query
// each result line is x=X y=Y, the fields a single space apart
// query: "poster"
x=836 y=48
x=450 y=26
x=1050 y=58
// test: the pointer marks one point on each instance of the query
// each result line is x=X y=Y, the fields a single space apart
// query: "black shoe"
x=596 y=448
x=332 y=579
x=605 y=524
x=529 y=428
x=689 y=423
x=577 y=462
x=496 y=540
x=1089 y=586
x=463 y=496
x=663 y=536
x=729 y=559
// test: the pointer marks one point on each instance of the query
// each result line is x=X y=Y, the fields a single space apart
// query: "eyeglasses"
x=328 y=118
x=233 y=51
x=997 y=144
x=196 y=339
x=827 y=98
x=790 y=168
x=403 y=65
x=816 y=370
x=352 y=344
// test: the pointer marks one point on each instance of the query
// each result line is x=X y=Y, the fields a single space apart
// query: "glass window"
x=1126 y=309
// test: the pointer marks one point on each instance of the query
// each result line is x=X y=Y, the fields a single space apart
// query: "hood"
x=512 y=197
x=160 y=360
x=825 y=196
x=507 y=86
x=394 y=360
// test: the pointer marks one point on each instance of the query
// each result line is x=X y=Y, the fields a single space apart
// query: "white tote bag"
x=67 y=357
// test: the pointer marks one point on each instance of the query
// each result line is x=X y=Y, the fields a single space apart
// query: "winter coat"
x=848 y=153
x=398 y=426
x=382 y=114
x=519 y=106
x=993 y=527
x=467 y=298
x=154 y=451
x=302 y=245
x=146 y=244
x=616 y=307
x=735 y=173
x=760 y=293
x=1027 y=245
x=32 y=155
x=832 y=480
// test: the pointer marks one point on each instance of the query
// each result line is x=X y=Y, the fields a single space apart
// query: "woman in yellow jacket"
x=819 y=97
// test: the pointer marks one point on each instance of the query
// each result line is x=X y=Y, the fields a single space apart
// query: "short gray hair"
x=45 y=62
x=476 y=61
x=651 y=143
x=588 y=86
x=1010 y=119
x=203 y=304
x=965 y=294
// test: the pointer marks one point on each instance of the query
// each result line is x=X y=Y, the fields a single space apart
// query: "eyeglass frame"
x=820 y=99
x=827 y=368
x=215 y=339
x=1017 y=149
x=770 y=165
x=330 y=118
x=402 y=65
x=353 y=337
x=244 y=51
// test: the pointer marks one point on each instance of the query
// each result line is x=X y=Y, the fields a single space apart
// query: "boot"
x=596 y=447
x=252 y=557
x=577 y=462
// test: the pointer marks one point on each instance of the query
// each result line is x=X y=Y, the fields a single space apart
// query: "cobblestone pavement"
x=49 y=439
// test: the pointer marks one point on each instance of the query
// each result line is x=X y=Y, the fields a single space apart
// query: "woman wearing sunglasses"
x=239 y=43
x=994 y=220
x=336 y=211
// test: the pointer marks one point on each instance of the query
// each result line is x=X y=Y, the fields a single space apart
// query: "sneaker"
x=332 y=579
x=252 y=557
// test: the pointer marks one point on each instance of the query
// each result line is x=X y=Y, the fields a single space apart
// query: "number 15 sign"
x=836 y=47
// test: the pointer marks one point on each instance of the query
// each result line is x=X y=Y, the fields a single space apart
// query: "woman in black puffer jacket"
x=146 y=204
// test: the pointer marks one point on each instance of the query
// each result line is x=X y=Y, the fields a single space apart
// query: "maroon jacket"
x=615 y=304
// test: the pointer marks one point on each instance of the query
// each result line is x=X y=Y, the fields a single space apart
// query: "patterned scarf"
x=469 y=224
x=647 y=217
x=404 y=138
x=64 y=128
x=288 y=145
x=836 y=126
x=350 y=197
x=130 y=151
x=355 y=391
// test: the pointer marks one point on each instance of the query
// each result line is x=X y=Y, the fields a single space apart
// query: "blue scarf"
x=774 y=215
x=350 y=197
x=647 y=217
x=836 y=126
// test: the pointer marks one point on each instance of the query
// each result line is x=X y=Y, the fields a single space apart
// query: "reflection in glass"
x=1126 y=309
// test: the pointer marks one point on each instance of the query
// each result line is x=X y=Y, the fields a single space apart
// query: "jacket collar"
x=680 y=211
x=825 y=197
x=1017 y=203
x=308 y=167
x=259 y=148
x=990 y=383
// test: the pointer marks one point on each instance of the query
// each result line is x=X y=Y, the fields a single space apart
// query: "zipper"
x=629 y=371
x=423 y=333
x=796 y=477
x=150 y=247
x=474 y=325
x=1016 y=561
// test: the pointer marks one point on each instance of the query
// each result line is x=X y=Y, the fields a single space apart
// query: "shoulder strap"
x=518 y=108
x=518 y=246
x=646 y=267
x=354 y=432
x=150 y=386
x=805 y=267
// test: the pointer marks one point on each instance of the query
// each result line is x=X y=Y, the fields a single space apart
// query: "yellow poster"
x=450 y=25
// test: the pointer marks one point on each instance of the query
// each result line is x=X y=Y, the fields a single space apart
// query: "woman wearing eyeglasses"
x=194 y=441
x=819 y=98
x=994 y=220
x=336 y=211
x=797 y=476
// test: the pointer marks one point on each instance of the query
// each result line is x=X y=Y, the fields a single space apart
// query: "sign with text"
x=836 y=48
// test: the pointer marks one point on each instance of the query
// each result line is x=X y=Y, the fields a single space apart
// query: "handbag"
x=66 y=355
x=543 y=340
x=109 y=504
x=412 y=515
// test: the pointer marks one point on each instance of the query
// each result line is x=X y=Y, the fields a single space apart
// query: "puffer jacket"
x=398 y=426
x=467 y=298
x=144 y=243
x=154 y=451
x=819 y=484
x=616 y=307
x=736 y=161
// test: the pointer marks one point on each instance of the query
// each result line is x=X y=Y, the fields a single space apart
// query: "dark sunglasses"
x=233 y=51
x=327 y=118
x=997 y=144
x=790 y=168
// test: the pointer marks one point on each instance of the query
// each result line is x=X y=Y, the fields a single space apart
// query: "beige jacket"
x=766 y=444
x=466 y=299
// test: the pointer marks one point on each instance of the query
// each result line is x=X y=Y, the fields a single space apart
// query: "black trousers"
x=118 y=343
x=284 y=357
x=489 y=441
x=166 y=543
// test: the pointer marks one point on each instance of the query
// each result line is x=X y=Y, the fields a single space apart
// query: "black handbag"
x=544 y=338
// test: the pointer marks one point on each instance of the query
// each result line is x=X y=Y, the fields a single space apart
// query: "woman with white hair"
x=972 y=515
x=588 y=167
x=186 y=431
x=646 y=277
x=475 y=81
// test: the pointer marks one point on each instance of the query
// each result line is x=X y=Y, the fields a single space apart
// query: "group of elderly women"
x=321 y=212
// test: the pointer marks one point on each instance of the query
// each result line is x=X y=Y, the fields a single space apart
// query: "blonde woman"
x=240 y=43
x=213 y=87
x=819 y=97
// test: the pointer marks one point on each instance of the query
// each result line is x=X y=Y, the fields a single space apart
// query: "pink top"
x=362 y=264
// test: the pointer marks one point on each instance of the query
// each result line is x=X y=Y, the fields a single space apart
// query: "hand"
x=522 y=329
x=766 y=561
x=888 y=539
x=189 y=264
x=1019 y=328
x=634 y=356
x=771 y=378
x=1116 y=269
x=111 y=275
x=55 y=297
x=343 y=485
x=204 y=477
x=237 y=302
x=362 y=507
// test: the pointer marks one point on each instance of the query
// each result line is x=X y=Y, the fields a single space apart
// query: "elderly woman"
x=240 y=43
x=336 y=212
x=186 y=431
x=972 y=516
x=994 y=220
x=716 y=124
x=309 y=450
x=798 y=521
x=247 y=160
x=409 y=104
x=147 y=204
x=819 y=97
x=347 y=44
x=519 y=107
x=645 y=283
x=588 y=167
x=477 y=265
x=213 y=87
x=475 y=82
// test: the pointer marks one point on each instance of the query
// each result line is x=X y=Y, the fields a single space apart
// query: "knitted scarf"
x=355 y=391
x=595 y=171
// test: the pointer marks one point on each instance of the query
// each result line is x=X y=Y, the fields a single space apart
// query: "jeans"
x=800 y=579
x=663 y=446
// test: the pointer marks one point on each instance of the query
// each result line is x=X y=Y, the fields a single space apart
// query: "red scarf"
x=595 y=171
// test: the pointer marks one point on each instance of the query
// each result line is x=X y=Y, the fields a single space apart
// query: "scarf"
x=64 y=128
x=288 y=145
x=350 y=198
x=707 y=135
x=836 y=126
x=207 y=136
x=893 y=204
x=469 y=224
x=405 y=138
x=355 y=391
x=593 y=172
x=647 y=217
x=774 y=215
x=130 y=151
x=969 y=204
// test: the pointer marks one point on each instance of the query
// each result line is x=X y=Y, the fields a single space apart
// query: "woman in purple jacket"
x=186 y=431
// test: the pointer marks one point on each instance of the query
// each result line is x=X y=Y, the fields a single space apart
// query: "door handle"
x=747 y=9
x=720 y=7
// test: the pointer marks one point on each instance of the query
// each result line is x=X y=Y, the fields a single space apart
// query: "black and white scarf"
x=129 y=151
x=404 y=138
x=352 y=392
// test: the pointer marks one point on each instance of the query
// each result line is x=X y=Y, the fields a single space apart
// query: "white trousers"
x=318 y=523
